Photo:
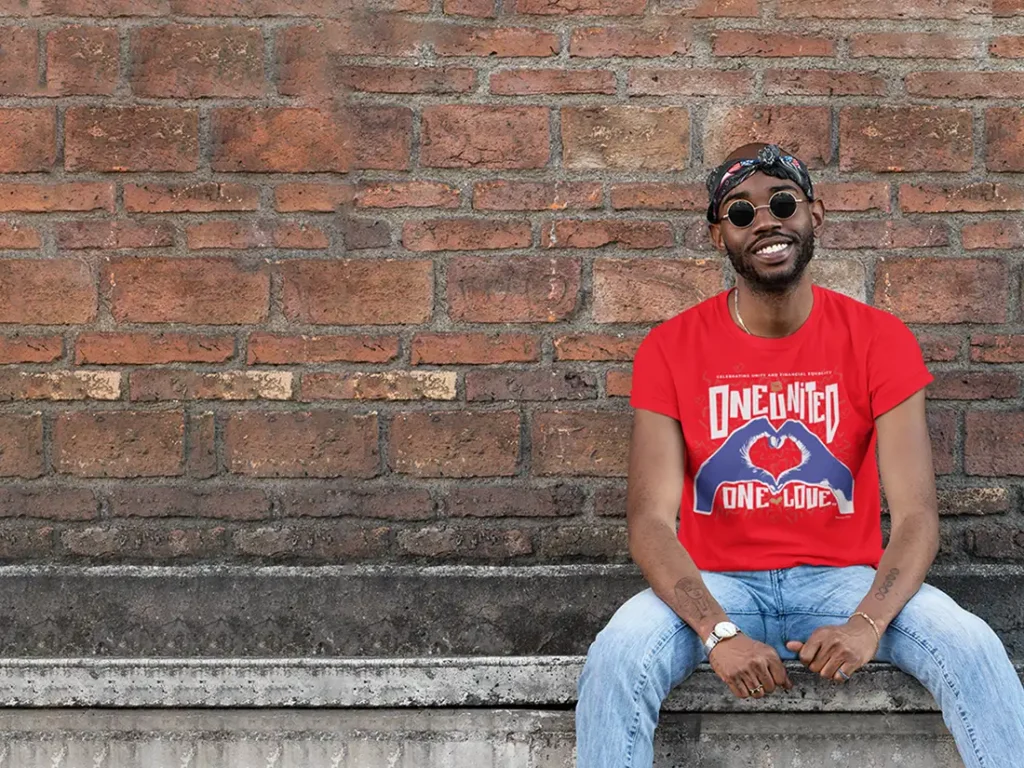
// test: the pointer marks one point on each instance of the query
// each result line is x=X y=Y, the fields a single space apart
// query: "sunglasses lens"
x=741 y=213
x=782 y=205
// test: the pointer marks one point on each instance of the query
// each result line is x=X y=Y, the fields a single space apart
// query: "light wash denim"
x=646 y=650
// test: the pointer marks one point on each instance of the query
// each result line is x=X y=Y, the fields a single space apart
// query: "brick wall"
x=284 y=281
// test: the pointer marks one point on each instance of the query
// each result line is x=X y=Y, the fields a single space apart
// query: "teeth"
x=772 y=249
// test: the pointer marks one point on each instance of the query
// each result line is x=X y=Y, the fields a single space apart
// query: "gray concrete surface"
x=367 y=611
x=501 y=738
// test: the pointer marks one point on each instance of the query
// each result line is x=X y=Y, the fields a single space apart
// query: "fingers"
x=779 y=673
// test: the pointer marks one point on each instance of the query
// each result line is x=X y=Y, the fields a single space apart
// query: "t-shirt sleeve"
x=896 y=368
x=652 y=386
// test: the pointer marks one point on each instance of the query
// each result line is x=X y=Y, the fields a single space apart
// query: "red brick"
x=966 y=85
x=320 y=544
x=357 y=291
x=396 y=504
x=618 y=383
x=490 y=385
x=82 y=61
x=254 y=234
x=922 y=290
x=178 y=61
x=119 y=443
x=465 y=235
x=46 y=292
x=455 y=444
x=520 y=82
x=995 y=443
x=1006 y=8
x=1004 y=136
x=406 y=194
x=742 y=42
x=610 y=501
x=113 y=234
x=517 y=289
x=302 y=444
x=689 y=82
x=306 y=54
x=660 y=196
x=302 y=196
x=474 y=348
x=580 y=7
x=407 y=79
x=210 y=291
x=647 y=40
x=153 y=384
x=804 y=131
x=360 y=234
x=52 y=503
x=501 y=501
x=60 y=385
x=131 y=139
x=106 y=7
x=271 y=349
x=942 y=428
x=978 y=197
x=19 y=52
x=504 y=42
x=584 y=542
x=104 y=348
x=28 y=139
x=884 y=234
x=262 y=8
x=597 y=347
x=649 y=290
x=704 y=9
x=379 y=385
x=536 y=195
x=35 y=542
x=974 y=385
x=45 y=198
x=822 y=82
x=1007 y=47
x=467 y=544
x=912 y=45
x=939 y=347
x=478 y=8
x=1002 y=542
x=854 y=195
x=973 y=501
x=595 y=233
x=21 y=445
x=580 y=443
x=485 y=137
x=626 y=138
x=999 y=233
x=187 y=502
x=18 y=237
x=883 y=9
x=201 y=197
x=279 y=139
x=905 y=139
x=30 y=349
x=201 y=460
x=991 y=348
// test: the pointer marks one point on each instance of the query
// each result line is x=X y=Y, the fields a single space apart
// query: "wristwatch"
x=723 y=631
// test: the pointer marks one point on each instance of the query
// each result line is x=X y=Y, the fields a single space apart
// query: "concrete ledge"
x=486 y=682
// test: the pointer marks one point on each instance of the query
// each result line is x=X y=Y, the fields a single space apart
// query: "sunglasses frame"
x=767 y=205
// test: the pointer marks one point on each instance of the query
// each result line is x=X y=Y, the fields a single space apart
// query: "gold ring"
x=755 y=690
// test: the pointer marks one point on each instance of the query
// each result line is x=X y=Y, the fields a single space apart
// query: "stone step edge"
x=420 y=682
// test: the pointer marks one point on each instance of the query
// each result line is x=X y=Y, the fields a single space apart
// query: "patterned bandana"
x=770 y=161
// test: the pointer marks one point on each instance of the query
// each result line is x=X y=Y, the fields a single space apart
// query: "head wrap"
x=770 y=160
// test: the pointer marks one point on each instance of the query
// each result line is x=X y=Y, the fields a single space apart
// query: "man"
x=760 y=410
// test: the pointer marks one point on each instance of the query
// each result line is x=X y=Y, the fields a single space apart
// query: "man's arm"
x=908 y=477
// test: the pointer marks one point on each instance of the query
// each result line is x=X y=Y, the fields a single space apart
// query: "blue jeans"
x=646 y=650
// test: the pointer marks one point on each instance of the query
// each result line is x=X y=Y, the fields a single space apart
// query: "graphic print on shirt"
x=776 y=450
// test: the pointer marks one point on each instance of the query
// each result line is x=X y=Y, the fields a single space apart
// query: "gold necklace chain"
x=736 y=302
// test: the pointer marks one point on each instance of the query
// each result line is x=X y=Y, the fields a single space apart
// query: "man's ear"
x=817 y=215
x=715 y=232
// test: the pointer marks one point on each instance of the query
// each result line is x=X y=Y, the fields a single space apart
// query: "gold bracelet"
x=878 y=635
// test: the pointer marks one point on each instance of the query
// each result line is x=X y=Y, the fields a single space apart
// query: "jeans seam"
x=642 y=684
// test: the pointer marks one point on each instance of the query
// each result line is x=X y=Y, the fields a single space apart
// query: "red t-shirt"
x=780 y=433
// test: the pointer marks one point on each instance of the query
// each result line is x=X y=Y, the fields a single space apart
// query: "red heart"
x=775 y=460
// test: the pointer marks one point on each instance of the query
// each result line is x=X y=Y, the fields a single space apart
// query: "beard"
x=777 y=281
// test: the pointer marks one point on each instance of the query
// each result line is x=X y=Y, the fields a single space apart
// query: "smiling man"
x=758 y=414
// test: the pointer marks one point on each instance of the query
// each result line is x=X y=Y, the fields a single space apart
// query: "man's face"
x=773 y=271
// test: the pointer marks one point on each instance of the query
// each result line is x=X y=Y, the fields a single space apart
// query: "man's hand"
x=850 y=646
x=743 y=664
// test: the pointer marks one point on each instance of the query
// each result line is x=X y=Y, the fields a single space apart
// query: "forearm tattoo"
x=890 y=579
x=690 y=593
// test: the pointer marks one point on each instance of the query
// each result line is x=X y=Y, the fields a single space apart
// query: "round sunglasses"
x=741 y=213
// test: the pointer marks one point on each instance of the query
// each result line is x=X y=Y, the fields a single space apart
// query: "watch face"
x=725 y=629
